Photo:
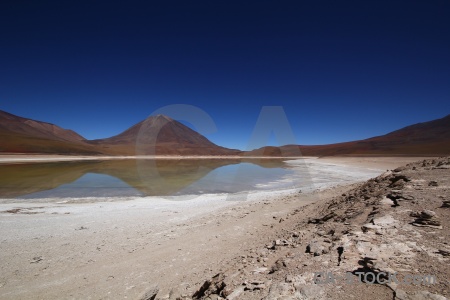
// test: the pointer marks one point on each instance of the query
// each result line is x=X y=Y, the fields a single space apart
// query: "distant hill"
x=428 y=138
x=161 y=135
x=22 y=135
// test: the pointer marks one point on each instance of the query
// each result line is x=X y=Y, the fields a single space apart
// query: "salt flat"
x=116 y=248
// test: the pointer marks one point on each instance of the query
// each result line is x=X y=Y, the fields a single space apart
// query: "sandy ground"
x=117 y=249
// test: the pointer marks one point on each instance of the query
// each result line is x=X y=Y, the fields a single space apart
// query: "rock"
x=213 y=297
x=433 y=183
x=317 y=247
x=426 y=218
x=422 y=295
x=310 y=292
x=36 y=259
x=398 y=180
x=414 y=214
x=271 y=246
x=174 y=294
x=398 y=184
x=236 y=293
x=427 y=222
x=276 y=243
x=259 y=270
x=282 y=243
x=322 y=219
x=209 y=287
x=399 y=169
x=279 y=265
x=407 y=197
x=254 y=285
x=427 y=214
x=150 y=294
x=385 y=221
x=384 y=175
x=446 y=203
x=442 y=167
x=280 y=291
x=444 y=252
x=397 y=195
x=370 y=227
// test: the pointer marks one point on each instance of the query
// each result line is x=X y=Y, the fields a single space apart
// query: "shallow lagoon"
x=115 y=178
x=145 y=177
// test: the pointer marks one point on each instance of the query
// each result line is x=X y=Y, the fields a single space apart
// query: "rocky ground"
x=387 y=238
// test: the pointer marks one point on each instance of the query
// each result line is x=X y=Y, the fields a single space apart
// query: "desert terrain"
x=162 y=248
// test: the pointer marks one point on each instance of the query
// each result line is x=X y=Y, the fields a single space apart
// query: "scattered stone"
x=310 y=292
x=336 y=225
x=371 y=227
x=427 y=214
x=279 y=265
x=210 y=287
x=150 y=294
x=322 y=219
x=399 y=169
x=397 y=195
x=446 y=203
x=254 y=285
x=385 y=221
x=444 y=252
x=36 y=259
x=422 y=295
x=397 y=177
x=236 y=293
x=259 y=270
x=174 y=294
x=442 y=167
x=282 y=243
x=433 y=183
x=280 y=291
x=426 y=218
x=317 y=247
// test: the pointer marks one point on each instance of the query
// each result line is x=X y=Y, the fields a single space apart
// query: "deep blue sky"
x=342 y=70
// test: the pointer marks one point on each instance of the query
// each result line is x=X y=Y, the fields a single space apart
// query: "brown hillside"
x=428 y=138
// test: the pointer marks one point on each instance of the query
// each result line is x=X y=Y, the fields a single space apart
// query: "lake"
x=166 y=177
x=145 y=177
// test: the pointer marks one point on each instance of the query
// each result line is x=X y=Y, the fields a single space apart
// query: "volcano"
x=160 y=135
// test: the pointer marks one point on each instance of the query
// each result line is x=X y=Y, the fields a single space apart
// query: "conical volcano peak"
x=163 y=117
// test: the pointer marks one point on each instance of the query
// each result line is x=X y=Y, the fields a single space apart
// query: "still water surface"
x=119 y=178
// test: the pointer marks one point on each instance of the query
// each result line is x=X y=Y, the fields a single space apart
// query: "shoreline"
x=97 y=250
x=5 y=159
x=374 y=160
x=120 y=248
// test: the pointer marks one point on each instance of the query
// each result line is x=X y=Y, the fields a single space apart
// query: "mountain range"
x=161 y=135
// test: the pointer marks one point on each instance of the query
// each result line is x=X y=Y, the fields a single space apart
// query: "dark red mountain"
x=429 y=138
x=22 y=135
x=161 y=135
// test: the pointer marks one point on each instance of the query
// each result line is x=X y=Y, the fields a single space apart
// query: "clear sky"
x=342 y=70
